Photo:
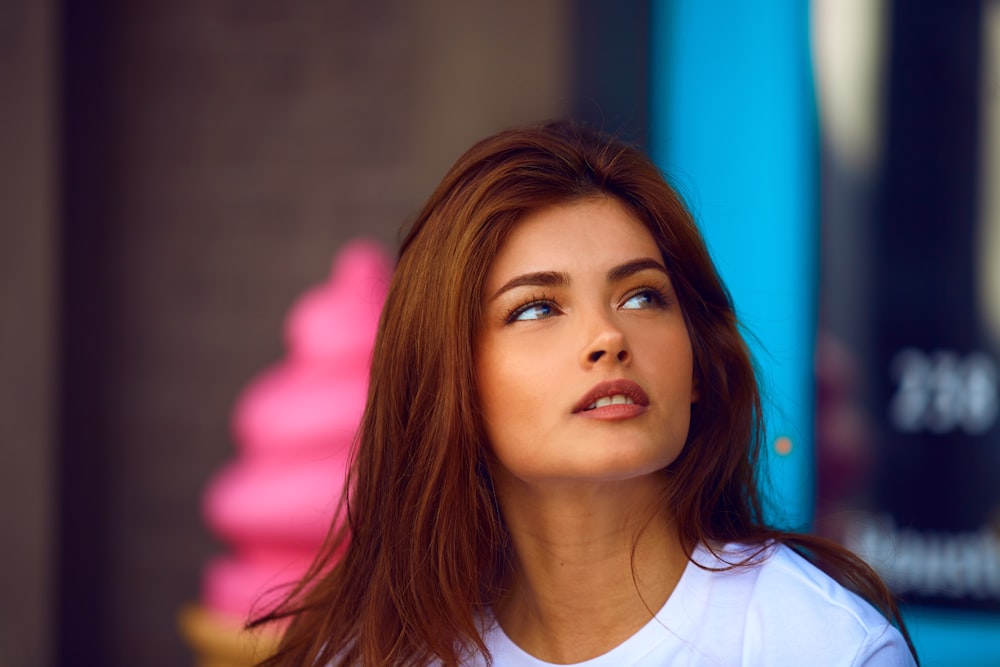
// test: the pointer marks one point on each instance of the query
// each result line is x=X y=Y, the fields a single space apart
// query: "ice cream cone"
x=222 y=641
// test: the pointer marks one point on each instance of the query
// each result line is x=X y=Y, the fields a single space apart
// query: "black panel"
x=82 y=465
x=611 y=67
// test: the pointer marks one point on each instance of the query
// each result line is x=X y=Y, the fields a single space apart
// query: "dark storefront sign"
x=929 y=517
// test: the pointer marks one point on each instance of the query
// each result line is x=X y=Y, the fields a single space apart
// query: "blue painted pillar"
x=733 y=125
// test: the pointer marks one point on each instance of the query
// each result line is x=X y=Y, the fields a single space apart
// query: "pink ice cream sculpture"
x=294 y=426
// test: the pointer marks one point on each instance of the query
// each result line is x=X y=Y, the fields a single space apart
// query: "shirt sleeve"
x=885 y=648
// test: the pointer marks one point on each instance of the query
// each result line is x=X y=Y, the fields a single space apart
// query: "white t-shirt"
x=780 y=611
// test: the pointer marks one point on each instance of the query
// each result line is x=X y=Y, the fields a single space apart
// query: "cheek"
x=508 y=371
x=515 y=396
x=493 y=383
x=669 y=356
x=508 y=388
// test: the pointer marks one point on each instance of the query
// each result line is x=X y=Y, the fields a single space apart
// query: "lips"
x=614 y=392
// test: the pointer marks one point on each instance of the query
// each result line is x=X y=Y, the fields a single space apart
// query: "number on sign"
x=941 y=391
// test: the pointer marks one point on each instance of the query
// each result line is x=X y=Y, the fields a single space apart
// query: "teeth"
x=617 y=399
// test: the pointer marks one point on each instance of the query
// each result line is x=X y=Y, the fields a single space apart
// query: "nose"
x=608 y=342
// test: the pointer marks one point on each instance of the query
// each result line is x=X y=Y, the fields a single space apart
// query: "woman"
x=557 y=460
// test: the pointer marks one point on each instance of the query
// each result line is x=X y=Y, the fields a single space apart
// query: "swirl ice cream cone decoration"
x=294 y=426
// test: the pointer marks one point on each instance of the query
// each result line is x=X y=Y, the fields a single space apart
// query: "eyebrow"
x=635 y=266
x=559 y=279
x=536 y=279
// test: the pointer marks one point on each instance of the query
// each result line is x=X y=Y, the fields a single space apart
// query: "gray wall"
x=163 y=203
x=28 y=275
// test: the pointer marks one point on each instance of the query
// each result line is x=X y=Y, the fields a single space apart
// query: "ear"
x=694 y=391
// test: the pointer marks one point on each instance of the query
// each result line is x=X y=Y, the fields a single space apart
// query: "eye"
x=645 y=297
x=533 y=310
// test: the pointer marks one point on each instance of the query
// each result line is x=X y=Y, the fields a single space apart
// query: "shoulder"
x=792 y=608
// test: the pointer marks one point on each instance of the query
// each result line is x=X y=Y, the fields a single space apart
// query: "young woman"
x=558 y=459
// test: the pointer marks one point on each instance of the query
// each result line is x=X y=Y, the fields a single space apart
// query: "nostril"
x=622 y=355
x=594 y=356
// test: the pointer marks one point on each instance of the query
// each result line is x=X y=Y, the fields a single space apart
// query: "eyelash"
x=512 y=314
x=660 y=299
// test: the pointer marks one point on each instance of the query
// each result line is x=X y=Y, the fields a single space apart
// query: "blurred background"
x=174 y=175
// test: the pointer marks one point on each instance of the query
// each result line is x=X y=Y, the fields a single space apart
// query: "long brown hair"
x=420 y=547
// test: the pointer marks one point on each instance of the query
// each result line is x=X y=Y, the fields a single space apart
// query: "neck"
x=593 y=564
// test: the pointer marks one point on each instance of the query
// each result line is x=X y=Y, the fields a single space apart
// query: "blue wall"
x=733 y=126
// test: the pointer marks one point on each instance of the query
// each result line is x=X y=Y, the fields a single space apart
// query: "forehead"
x=588 y=234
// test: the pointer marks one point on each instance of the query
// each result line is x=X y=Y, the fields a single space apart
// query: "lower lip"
x=614 y=412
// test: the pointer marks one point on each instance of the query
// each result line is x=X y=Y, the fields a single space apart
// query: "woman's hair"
x=420 y=547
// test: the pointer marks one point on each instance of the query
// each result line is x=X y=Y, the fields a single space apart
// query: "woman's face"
x=583 y=361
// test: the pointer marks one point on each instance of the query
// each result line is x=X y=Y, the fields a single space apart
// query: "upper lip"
x=611 y=388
